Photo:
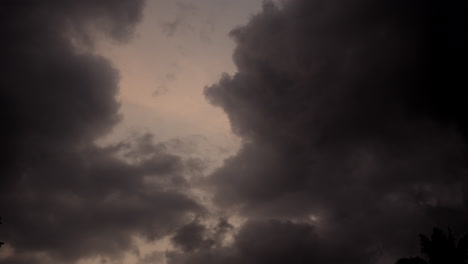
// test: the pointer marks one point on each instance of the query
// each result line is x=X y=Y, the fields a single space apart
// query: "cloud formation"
x=62 y=197
x=273 y=241
x=354 y=129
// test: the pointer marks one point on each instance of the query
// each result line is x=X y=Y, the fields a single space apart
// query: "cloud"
x=191 y=237
x=274 y=241
x=62 y=197
x=189 y=20
x=351 y=114
x=195 y=236
x=184 y=10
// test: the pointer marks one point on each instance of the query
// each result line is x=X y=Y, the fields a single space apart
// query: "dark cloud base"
x=353 y=119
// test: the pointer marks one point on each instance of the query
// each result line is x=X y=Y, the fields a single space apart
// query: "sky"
x=177 y=49
x=216 y=131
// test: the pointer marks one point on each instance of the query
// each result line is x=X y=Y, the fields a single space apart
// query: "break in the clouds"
x=62 y=197
x=353 y=119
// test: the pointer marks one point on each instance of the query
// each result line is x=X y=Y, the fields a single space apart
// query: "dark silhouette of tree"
x=440 y=249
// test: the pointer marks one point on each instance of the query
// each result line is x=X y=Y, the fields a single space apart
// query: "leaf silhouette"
x=440 y=249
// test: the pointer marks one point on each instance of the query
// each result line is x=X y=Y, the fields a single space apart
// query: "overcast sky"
x=230 y=132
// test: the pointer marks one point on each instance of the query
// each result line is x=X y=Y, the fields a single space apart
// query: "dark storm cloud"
x=91 y=203
x=191 y=237
x=62 y=197
x=195 y=236
x=352 y=115
x=274 y=242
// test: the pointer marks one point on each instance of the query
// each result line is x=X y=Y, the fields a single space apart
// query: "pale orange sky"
x=178 y=49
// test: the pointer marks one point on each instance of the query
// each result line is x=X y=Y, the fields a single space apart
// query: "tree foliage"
x=440 y=249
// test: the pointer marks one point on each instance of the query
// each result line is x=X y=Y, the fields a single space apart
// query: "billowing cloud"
x=352 y=117
x=62 y=197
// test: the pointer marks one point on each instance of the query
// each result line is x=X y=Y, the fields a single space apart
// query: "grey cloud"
x=350 y=112
x=156 y=257
x=191 y=237
x=274 y=242
x=195 y=236
x=92 y=204
x=63 y=198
